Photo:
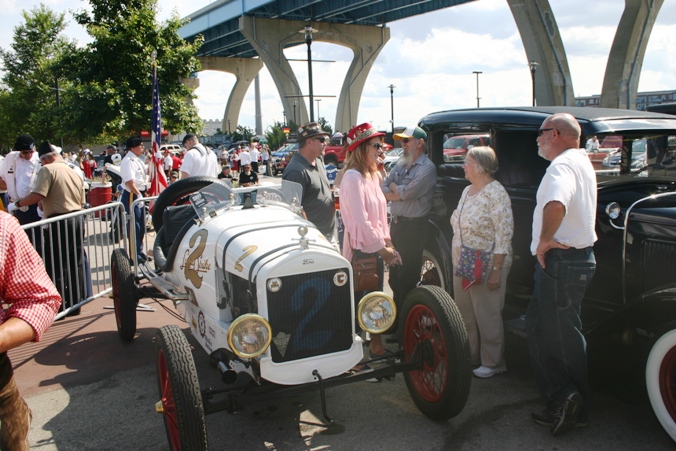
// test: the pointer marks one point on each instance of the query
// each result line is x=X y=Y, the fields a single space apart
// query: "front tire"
x=180 y=398
x=125 y=294
x=430 y=271
x=432 y=325
x=660 y=376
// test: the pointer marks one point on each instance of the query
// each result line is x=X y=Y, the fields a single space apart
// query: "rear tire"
x=660 y=377
x=431 y=323
x=125 y=294
x=179 y=388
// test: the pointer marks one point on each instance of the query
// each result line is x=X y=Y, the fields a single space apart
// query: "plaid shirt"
x=25 y=286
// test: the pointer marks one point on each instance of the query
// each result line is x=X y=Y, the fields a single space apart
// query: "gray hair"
x=485 y=159
x=566 y=124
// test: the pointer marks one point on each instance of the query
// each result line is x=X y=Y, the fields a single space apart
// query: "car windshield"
x=631 y=154
x=216 y=198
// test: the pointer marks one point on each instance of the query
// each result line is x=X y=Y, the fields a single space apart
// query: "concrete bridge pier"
x=542 y=41
x=245 y=71
x=620 y=84
x=269 y=37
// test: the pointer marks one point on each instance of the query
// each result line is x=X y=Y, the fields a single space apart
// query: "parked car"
x=335 y=153
x=281 y=158
x=173 y=148
x=271 y=301
x=392 y=157
x=632 y=295
x=456 y=146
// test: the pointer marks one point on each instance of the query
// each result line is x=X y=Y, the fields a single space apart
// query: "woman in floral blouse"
x=483 y=220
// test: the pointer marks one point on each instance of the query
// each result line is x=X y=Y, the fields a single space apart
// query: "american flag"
x=158 y=179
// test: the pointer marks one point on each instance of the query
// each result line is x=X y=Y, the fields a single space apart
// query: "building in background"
x=643 y=99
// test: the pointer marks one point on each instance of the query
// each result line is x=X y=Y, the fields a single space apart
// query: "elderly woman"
x=483 y=221
x=364 y=208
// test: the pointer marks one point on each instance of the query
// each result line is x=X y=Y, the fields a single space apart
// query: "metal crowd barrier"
x=76 y=249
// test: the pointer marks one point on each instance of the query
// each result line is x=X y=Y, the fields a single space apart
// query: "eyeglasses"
x=321 y=139
x=378 y=146
x=406 y=140
x=542 y=130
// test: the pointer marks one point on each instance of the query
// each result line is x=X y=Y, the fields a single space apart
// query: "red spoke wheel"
x=125 y=294
x=434 y=337
x=181 y=402
x=661 y=381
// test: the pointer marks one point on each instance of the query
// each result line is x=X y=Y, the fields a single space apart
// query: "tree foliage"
x=112 y=94
x=325 y=125
x=242 y=133
x=275 y=135
x=31 y=67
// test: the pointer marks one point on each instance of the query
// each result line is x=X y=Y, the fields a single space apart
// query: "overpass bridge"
x=240 y=36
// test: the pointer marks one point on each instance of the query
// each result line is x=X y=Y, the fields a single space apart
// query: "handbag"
x=365 y=270
x=473 y=263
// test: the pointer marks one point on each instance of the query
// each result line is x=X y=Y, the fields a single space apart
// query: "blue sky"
x=429 y=59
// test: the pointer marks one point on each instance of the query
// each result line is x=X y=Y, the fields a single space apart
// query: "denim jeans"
x=135 y=240
x=558 y=349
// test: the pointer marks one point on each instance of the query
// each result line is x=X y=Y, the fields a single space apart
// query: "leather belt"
x=400 y=219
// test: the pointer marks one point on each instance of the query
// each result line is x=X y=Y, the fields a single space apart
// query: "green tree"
x=112 y=96
x=31 y=67
x=275 y=135
x=325 y=125
x=242 y=133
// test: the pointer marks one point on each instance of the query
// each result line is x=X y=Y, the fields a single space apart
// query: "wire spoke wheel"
x=435 y=339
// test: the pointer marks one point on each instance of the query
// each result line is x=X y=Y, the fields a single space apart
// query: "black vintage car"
x=633 y=293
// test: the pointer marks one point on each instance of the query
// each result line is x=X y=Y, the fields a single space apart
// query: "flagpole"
x=158 y=180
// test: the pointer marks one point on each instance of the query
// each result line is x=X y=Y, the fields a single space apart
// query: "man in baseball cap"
x=410 y=188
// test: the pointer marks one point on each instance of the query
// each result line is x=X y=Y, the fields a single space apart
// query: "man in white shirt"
x=17 y=173
x=133 y=172
x=255 y=154
x=167 y=161
x=563 y=236
x=593 y=144
x=198 y=160
x=244 y=159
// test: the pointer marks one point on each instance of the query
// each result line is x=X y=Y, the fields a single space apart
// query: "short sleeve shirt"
x=317 y=196
x=132 y=168
x=62 y=187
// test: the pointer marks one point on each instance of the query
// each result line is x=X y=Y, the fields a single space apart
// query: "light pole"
x=318 y=100
x=477 y=72
x=392 y=105
x=308 y=40
x=229 y=132
x=294 y=114
x=284 y=113
x=533 y=67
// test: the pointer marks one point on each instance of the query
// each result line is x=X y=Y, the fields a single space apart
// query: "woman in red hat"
x=364 y=208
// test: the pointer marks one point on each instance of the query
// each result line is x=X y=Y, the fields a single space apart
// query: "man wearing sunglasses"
x=410 y=187
x=307 y=169
x=18 y=172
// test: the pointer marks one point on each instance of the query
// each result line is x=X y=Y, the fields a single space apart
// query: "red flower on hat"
x=361 y=133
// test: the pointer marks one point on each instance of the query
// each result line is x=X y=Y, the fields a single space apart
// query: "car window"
x=635 y=154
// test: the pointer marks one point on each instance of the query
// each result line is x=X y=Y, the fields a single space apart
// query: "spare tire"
x=176 y=194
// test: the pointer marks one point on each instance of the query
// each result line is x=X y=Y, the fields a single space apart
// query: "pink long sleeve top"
x=364 y=211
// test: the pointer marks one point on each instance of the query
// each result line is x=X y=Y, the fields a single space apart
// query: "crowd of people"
x=49 y=183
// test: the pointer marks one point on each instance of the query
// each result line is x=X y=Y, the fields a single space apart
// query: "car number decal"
x=248 y=250
x=192 y=262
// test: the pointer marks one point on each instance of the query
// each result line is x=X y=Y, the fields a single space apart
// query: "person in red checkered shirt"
x=30 y=301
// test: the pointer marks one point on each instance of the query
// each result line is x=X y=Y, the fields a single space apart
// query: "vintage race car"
x=271 y=301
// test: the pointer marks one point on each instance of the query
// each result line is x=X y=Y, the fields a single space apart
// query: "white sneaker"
x=484 y=372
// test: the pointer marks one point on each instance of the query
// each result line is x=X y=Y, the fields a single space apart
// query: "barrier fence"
x=76 y=249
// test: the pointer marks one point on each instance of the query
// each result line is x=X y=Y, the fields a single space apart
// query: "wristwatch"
x=17 y=203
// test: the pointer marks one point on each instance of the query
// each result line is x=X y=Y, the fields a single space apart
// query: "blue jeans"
x=558 y=349
x=135 y=239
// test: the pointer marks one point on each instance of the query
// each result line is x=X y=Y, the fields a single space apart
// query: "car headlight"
x=376 y=312
x=249 y=336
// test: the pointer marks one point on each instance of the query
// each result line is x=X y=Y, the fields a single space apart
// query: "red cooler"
x=100 y=194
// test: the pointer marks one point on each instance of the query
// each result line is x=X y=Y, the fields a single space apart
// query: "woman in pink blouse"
x=483 y=220
x=364 y=208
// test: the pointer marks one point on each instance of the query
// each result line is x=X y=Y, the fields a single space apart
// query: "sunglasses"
x=542 y=130
x=321 y=139
x=378 y=146
x=406 y=140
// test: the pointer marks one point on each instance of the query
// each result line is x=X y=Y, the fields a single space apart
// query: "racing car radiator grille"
x=310 y=314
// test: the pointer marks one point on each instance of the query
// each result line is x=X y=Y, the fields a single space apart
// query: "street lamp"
x=308 y=40
x=318 y=100
x=477 y=72
x=284 y=113
x=392 y=105
x=294 y=113
x=533 y=67
x=229 y=132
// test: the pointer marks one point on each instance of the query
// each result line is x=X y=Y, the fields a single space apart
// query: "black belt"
x=399 y=219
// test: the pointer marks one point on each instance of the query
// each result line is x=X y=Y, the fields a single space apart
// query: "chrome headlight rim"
x=238 y=322
x=363 y=303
